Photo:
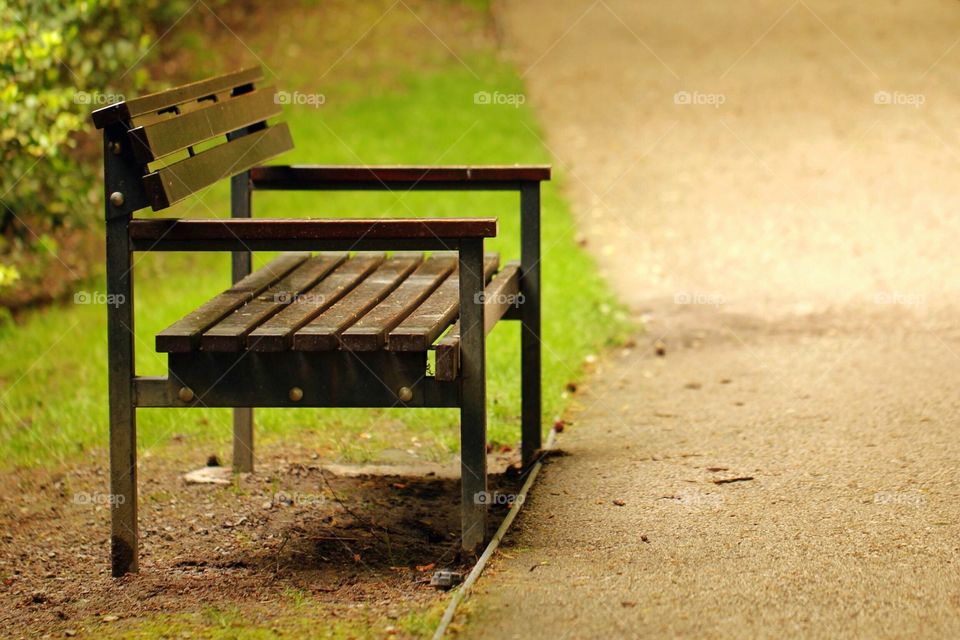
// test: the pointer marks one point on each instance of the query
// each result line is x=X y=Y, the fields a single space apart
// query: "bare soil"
x=361 y=548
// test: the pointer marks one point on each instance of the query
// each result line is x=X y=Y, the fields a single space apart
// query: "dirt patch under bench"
x=359 y=548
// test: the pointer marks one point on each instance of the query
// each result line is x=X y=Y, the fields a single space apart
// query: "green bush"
x=60 y=59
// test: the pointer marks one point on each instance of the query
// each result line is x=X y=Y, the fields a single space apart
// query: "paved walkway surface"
x=771 y=186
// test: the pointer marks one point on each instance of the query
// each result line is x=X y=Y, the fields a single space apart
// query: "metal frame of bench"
x=240 y=112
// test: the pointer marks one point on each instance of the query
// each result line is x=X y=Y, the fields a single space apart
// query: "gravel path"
x=770 y=185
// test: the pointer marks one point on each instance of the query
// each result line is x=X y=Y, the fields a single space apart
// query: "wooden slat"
x=370 y=332
x=230 y=333
x=320 y=334
x=304 y=176
x=498 y=295
x=276 y=334
x=215 y=119
x=418 y=331
x=180 y=179
x=150 y=103
x=243 y=229
x=184 y=334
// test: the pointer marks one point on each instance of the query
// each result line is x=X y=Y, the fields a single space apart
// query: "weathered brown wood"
x=276 y=334
x=303 y=176
x=230 y=333
x=153 y=102
x=370 y=332
x=184 y=334
x=418 y=331
x=176 y=229
x=210 y=121
x=320 y=334
x=499 y=295
x=181 y=179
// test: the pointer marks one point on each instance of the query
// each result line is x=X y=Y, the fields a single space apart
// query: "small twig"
x=283 y=543
x=729 y=480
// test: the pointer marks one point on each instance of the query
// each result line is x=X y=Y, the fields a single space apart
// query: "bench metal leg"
x=242 y=264
x=123 y=419
x=243 y=440
x=473 y=392
x=120 y=195
x=530 y=338
x=124 y=539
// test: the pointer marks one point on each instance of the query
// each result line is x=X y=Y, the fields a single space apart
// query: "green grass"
x=302 y=617
x=53 y=401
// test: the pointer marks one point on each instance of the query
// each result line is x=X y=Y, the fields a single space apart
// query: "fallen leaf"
x=619 y=503
x=423 y=568
x=209 y=475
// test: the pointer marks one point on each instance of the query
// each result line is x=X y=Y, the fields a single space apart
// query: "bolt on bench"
x=349 y=326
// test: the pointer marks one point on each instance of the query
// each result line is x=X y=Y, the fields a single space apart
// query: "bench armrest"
x=238 y=234
x=334 y=177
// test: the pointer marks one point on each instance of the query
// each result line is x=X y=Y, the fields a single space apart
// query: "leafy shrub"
x=59 y=59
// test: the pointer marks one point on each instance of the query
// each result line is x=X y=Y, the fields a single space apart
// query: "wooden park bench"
x=348 y=326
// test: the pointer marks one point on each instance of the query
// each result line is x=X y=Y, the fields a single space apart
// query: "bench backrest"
x=176 y=133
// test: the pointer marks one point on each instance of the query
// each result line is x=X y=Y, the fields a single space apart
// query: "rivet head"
x=116 y=148
x=296 y=394
x=116 y=199
x=405 y=394
x=185 y=394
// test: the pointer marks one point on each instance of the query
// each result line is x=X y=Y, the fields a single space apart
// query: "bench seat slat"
x=230 y=333
x=320 y=334
x=215 y=119
x=498 y=295
x=369 y=333
x=184 y=334
x=276 y=334
x=181 y=179
x=418 y=331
